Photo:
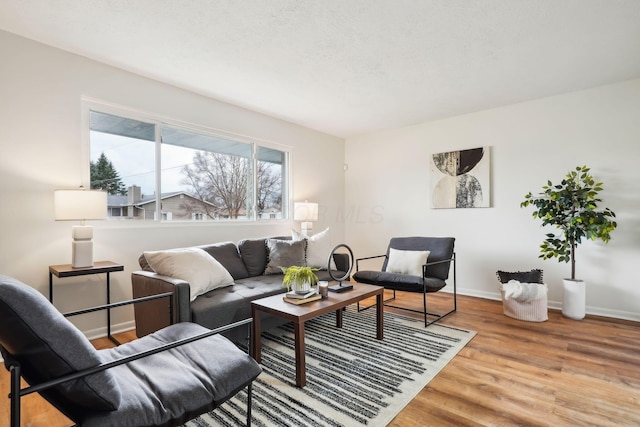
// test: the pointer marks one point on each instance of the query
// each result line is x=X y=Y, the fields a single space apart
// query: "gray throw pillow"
x=284 y=253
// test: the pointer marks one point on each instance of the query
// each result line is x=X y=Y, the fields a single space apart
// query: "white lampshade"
x=305 y=211
x=80 y=205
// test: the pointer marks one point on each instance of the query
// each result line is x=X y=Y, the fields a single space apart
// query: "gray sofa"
x=245 y=261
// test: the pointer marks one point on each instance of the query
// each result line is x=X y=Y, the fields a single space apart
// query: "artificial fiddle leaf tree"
x=571 y=207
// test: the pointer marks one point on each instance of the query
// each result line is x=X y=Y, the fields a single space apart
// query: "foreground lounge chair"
x=163 y=379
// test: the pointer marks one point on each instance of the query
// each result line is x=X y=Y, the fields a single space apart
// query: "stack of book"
x=295 y=298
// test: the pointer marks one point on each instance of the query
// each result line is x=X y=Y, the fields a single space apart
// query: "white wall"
x=388 y=183
x=41 y=145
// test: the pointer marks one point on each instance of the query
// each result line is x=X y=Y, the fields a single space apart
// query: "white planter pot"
x=574 y=299
x=301 y=288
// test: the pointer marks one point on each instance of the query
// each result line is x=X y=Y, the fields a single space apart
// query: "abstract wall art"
x=461 y=179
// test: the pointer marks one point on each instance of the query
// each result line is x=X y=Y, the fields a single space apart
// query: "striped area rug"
x=352 y=378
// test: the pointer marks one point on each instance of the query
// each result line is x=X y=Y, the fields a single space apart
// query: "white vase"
x=301 y=287
x=573 y=299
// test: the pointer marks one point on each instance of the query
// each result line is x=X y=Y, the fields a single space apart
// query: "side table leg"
x=301 y=372
x=51 y=287
x=111 y=337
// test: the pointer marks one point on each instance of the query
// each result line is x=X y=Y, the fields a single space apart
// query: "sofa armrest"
x=151 y=316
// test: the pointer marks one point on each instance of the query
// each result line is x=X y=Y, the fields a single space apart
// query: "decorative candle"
x=323 y=289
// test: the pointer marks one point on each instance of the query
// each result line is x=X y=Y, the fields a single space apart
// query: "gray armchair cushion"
x=399 y=282
x=48 y=346
x=173 y=386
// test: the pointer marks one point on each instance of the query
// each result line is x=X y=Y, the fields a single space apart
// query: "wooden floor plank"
x=513 y=373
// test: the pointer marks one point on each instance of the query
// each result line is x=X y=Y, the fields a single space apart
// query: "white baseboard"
x=115 y=329
x=557 y=305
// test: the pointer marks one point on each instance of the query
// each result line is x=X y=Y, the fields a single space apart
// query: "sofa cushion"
x=194 y=265
x=228 y=305
x=48 y=346
x=254 y=254
x=227 y=254
x=283 y=254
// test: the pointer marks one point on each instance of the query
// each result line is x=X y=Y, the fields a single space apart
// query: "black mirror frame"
x=351 y=261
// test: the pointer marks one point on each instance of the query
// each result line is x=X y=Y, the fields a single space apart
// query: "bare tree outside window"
x=222 y=181
x=269 y=186
x=219 y=179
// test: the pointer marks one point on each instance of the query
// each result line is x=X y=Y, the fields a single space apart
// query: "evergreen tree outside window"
x=105 y=177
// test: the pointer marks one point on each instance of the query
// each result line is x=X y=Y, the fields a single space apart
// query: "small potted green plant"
x=300 y=279
x=572 y=207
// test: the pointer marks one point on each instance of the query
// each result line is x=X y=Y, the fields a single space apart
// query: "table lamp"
x=306 y=213
x=81 y=205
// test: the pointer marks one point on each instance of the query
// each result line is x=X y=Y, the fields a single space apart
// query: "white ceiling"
x=347 y=67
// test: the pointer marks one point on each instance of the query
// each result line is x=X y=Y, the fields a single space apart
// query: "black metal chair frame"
x=14 y=367
x=424 y=291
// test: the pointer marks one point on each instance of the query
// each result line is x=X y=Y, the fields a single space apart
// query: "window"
x=201 y=175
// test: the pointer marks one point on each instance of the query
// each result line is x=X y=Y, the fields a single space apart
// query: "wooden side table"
x=66 y=270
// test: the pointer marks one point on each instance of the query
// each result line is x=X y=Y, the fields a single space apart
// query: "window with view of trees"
x=201 y=176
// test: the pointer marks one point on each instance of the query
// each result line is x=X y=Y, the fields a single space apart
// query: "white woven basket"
x=530 y=311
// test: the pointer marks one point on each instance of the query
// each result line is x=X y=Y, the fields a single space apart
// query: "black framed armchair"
x=163 y=379
x=414 y=264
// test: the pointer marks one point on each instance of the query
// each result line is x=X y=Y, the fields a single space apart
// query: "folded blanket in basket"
x=524 y=292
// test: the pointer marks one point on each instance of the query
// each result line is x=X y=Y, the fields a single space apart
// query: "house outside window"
x=194 y=174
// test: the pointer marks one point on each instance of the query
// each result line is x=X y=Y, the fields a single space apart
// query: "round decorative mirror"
x=341 y=248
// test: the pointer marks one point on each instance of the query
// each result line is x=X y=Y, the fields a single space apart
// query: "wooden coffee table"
x=298 y=314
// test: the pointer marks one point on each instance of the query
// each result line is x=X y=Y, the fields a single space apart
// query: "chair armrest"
x=424 y=266
x=369 y=257
x=13 y=365
x=123 y=303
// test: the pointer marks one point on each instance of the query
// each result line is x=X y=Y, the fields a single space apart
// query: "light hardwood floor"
x=556 y=373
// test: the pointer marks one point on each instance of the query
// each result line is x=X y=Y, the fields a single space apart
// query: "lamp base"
x=82 y=246
x=305 y=228
x=82 y=254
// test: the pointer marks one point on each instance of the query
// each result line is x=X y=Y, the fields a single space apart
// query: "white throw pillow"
x=407 y=262
x=318 y=249
x=203 y=272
